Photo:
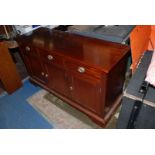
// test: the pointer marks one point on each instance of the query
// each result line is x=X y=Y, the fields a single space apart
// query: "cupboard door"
x=36 y=69
x=33 y=63
x=86 y=91
x=57 y=79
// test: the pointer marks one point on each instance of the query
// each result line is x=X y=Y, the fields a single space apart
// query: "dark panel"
x=124 y=116
x=139 y=76
x=145 y=119
x=146 y=115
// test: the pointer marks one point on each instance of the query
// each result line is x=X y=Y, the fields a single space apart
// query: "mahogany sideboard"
x=86 y=73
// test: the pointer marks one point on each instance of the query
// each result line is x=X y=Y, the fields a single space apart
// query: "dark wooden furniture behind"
x=86 y=73
x=5 y=29
x=8 y=73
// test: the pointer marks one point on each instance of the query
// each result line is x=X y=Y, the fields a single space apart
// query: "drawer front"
x=82 y=69
x=51 y=58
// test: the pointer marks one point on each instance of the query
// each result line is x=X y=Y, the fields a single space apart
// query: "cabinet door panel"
x=87 y=92
x=35 y=68
x=57 y=79
x=33 y=63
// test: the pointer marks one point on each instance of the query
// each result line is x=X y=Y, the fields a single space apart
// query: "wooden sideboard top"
x=98 y=53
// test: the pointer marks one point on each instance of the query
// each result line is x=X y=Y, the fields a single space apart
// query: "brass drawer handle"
x=81 y=69
x=71 y=88
x=42 y=73
x=50 y=57
x=27 y=48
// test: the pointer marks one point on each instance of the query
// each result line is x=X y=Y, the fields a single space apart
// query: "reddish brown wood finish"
x=33 y=62
x=8 y=73
x=87 y=73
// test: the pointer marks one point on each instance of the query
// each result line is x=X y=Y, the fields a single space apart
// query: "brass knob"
x=81 y=69
x=46 y=75
x=71 y=88
x=27 y=48
x=42 y=73
x=50 y=57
